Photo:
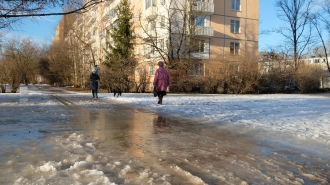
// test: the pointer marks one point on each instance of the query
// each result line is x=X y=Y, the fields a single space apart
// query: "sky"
x=303 y=118
x=44 y=28
x=41 y=29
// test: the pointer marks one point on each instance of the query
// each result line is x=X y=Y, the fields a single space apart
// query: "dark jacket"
x=94 y=85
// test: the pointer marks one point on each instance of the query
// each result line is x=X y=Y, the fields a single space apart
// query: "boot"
x=93 y=95
x=96 y=95
x=159 y=100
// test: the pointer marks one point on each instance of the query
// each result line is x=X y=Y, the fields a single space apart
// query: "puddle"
x=108 y=143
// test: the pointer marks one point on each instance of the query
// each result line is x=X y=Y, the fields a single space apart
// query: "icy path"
x=102 y=142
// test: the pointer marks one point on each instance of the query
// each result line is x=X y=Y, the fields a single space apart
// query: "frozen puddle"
x=106 y=143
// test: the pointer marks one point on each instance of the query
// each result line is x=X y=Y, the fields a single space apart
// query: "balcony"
x=151 y=13
x=204 y=31
x=203 y=8
x=91 y=40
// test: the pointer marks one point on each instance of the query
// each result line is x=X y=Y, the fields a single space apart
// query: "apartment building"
x=200 y=30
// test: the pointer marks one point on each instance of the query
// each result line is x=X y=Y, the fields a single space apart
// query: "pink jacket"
x=162 y=79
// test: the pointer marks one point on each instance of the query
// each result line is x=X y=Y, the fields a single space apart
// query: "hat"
x=160 y=63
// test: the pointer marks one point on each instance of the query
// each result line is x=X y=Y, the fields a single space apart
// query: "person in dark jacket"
x=94 y=83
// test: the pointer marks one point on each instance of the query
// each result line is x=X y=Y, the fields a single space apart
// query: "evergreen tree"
x=119 y=56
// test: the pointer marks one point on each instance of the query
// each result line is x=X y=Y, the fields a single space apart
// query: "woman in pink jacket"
x=161 y=81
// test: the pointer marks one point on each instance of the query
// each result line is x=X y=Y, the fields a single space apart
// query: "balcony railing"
x=151 y=12
x=204 y=31
x=203 y=8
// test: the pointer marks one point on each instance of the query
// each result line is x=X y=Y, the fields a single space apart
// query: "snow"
x=80 y=158
x=305 y=116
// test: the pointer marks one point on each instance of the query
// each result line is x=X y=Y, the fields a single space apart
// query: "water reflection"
x=209 y=153
x=160 y=124
x=127 y=129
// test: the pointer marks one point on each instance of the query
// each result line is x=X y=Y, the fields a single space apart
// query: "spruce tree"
x=119 y=56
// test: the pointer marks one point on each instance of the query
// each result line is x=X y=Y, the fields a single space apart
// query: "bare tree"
x=296 y=13
x=61 y=66
x=321 y=23
x=171 y=34
x=277 y=69
x=308 y=77
x=20 y=59
x=11 y=11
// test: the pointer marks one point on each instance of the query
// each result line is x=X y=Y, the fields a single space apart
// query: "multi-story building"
x=203 y=31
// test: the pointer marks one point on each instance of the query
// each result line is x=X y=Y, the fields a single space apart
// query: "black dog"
x=116 y=91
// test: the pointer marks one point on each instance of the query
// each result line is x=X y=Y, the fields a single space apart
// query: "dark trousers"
x=94 y=92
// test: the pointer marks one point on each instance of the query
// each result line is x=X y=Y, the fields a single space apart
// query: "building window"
x=104 y=33
x=151 y=70
x=112 y=13
x=148 y=3
x=198 y=21
x=236 y=5
x=234 y=26
x=234 y=48
x=152 y=50
x=137 y=71
x=196 y=69
x=162 y=21
x=139 y=14
x=161 y=44
x=138 y=51
x=199 y=46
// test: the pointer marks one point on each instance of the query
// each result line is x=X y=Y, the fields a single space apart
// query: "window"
x=139 y=14
x=234 y=26
x=152 y=26
x=196 y=69
x=199 y=46
x=151 y=70
x=236 y=5
x=152 y=50
x=198 y=21
x=161 y=44
x=104 y=33
x=112 y=13
x=138 y=51
x=148 y=3
x=137 y=71
x=162 y=21
x=234 y=48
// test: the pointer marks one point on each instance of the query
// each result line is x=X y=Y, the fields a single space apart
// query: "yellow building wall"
x=221 y=23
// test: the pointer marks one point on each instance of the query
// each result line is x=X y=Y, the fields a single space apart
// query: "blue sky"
x=43 y=29
x=267 y=21
x=39 y=29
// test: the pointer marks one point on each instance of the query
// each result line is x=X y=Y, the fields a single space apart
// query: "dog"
x=116 y=91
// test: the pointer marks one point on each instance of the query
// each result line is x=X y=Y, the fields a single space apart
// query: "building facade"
x=203 y=31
